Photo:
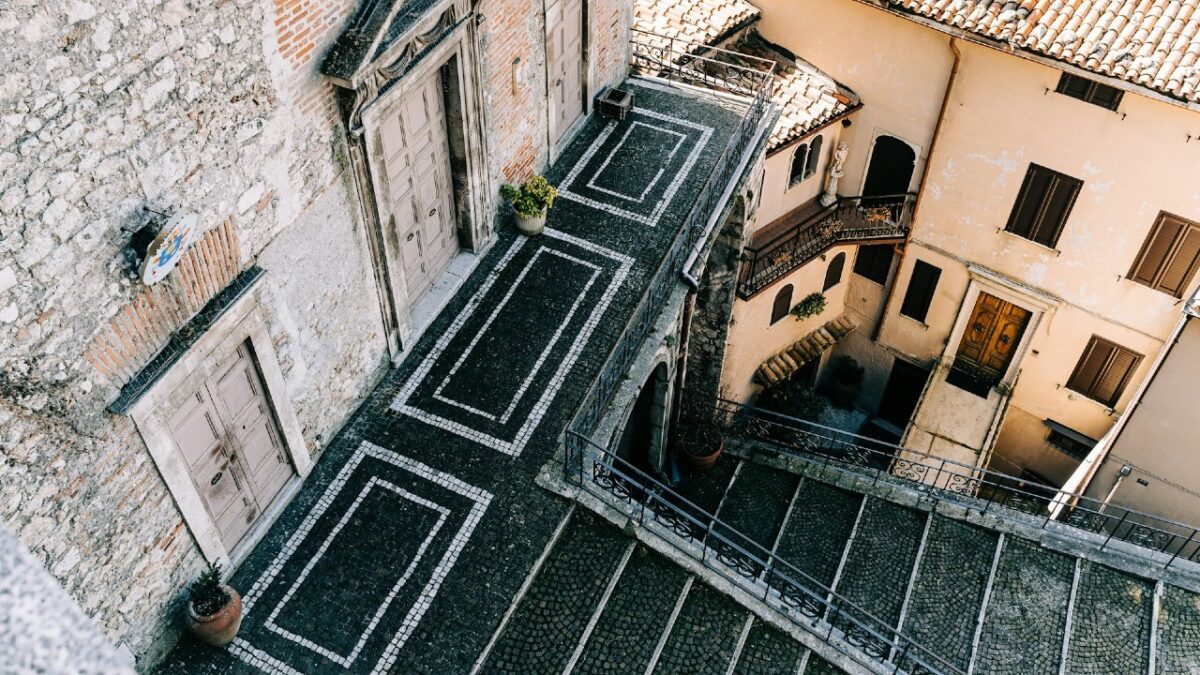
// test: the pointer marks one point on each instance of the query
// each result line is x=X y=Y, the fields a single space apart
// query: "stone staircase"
x=601 y=602
x=986 y=602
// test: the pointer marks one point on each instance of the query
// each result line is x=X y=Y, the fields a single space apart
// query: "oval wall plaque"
x=168 y=247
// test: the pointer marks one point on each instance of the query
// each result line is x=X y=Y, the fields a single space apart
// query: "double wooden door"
x=416 y=159
x=990 y=339
x=231 y=444
x=564 y=54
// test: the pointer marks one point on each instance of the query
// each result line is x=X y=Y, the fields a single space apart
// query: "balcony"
x=849 y=220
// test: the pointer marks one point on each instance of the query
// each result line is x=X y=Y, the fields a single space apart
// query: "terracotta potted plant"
x=845 y=382
x=214 y=610
x=700 y=436
x=530 y=203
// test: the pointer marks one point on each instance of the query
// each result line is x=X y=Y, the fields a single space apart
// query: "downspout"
x=937 y=133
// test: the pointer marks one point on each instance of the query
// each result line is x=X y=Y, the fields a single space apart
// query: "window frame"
x=1155 y=281
x=839 y=261
x=1090 y=91
x=1038 y=221
x=859 y=264
x=814 y=156
x=776 y=316
x=927 y=301
x=795 y=178
x=1101 y=373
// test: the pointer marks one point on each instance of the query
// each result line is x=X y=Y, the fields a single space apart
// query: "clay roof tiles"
x=1152 y=43
x=703 y=21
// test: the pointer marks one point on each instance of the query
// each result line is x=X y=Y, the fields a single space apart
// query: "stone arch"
x=644 y=436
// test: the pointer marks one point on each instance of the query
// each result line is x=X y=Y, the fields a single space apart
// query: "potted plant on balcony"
x=845 y=382
x=700 y=435
x=214 y=610
x=812 y=305
x=530 y=203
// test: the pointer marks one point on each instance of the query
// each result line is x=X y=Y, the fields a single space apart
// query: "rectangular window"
x=1069 y=441
x=1103 y=371
x=874 y=262
x=1089 y=92
x=1169 y=257
x=1043 y=204
x=920 y=291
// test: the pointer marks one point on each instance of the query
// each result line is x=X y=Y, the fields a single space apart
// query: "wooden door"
x=990 y=339
x=416 y=159
x=564 y=54
x=232 y=447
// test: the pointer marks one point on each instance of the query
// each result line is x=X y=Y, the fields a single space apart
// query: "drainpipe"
x=1125 y=471
x=937 y=133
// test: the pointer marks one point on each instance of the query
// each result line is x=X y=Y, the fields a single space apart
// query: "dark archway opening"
x=892 y=164
x=642 y=441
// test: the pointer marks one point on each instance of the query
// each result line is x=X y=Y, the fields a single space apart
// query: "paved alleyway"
x=421 y=520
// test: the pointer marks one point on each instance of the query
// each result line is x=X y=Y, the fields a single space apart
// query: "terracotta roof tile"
x=703 y=21
x=1152 y=43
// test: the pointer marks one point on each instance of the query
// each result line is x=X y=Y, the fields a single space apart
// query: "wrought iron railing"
x=700 y=535
x=695 y=226
x=697 y=64
x=964 y=484
x=849 y=219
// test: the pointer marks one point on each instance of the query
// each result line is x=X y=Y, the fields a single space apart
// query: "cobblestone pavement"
x=421 y=520
x=1179 y=633
x=551 y=618
x=818 y=530
x=1027 y=612
x=638 y=610
x=819 y=666
x=1110 y=625
x=756 y=504
x=881 y=559
x=768 y=652
x=949 y=588
x=705 y=634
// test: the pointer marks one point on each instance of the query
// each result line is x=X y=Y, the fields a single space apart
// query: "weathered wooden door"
x=564 y=53
x=416 y=158
x=990 y=339
x=232 y=447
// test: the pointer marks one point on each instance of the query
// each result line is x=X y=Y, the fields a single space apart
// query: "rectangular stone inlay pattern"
x=333 y=611
x=632 y=172
x=492 y=365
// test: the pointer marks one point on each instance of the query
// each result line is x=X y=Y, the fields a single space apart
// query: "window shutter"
x=1112 y=381
x=833 y=273
x=1043 y=204
x=1182 y=268
x=782 y=304
x=1170 y=256
x=1090 y=366
x=1103 y=371
x=1059 y=199
x=1156 y=249
x=1029 y=201
x=920 y=290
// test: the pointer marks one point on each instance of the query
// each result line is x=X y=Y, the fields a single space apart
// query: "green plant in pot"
x=530 y=203
x=812 y=305
x=845 y=382
x=700 y=435
x=214 y=610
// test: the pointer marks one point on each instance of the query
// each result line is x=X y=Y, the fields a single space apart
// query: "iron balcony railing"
x=700 y=535
x=848 y=220
x=697 y=64
x=750 y=88
x=964 y=484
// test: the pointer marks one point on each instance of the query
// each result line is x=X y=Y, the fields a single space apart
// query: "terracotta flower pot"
x=704 y=462
x=220 y=628
x=532 y=225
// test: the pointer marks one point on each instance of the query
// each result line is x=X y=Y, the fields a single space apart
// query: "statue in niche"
x=836 y=169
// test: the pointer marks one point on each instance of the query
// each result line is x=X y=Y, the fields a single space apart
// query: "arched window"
x=833 y=273
x=814 y=156
x=799 y=162
x=782 y=304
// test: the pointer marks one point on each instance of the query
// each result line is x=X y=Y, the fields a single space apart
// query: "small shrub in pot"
x=214 y=610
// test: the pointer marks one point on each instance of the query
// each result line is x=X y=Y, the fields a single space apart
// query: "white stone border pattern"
x=263 y=661
x=514 y=446
x=516 y=399
x=345 y=661
x=662 y=169
x=564 y=190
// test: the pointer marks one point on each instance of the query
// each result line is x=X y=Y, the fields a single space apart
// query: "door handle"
x=410 y=236
x=558 y=82
x=432 y=212
x=217 y=478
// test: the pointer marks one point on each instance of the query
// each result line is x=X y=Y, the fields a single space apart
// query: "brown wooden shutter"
x=1103 y=371
x=1156 y=249
x=1179 y=272
x=1059 y=199
x=1043 y=204
x=1029 y=201
x=1170 y=256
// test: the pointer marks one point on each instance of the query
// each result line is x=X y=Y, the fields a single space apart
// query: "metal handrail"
x=718 y=546
x=859 y=218
x=676 y=59
x=942 y=478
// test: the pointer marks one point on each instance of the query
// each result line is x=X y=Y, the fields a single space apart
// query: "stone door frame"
x=244 y=321
x=443 y=43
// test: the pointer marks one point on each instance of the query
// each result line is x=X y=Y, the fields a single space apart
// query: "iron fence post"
x=1181 y=547
x=1114 y=530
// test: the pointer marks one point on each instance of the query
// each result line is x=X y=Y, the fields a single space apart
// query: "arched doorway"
x=644 y=436
x=891 y=167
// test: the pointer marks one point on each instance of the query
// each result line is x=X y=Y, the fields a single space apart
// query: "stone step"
x=768 y=651
x=706 y=488
x=1110 y=622
x=705 y=635
x=755 y=505
x=818 y=529
x=637 y=611
x=879 y=566
x=952 y=577
x=1178 y=644
x=815 y=665
x=549 y=621
x=1026 y=613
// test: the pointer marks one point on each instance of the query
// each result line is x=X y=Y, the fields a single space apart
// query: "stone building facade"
x=117 y=117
